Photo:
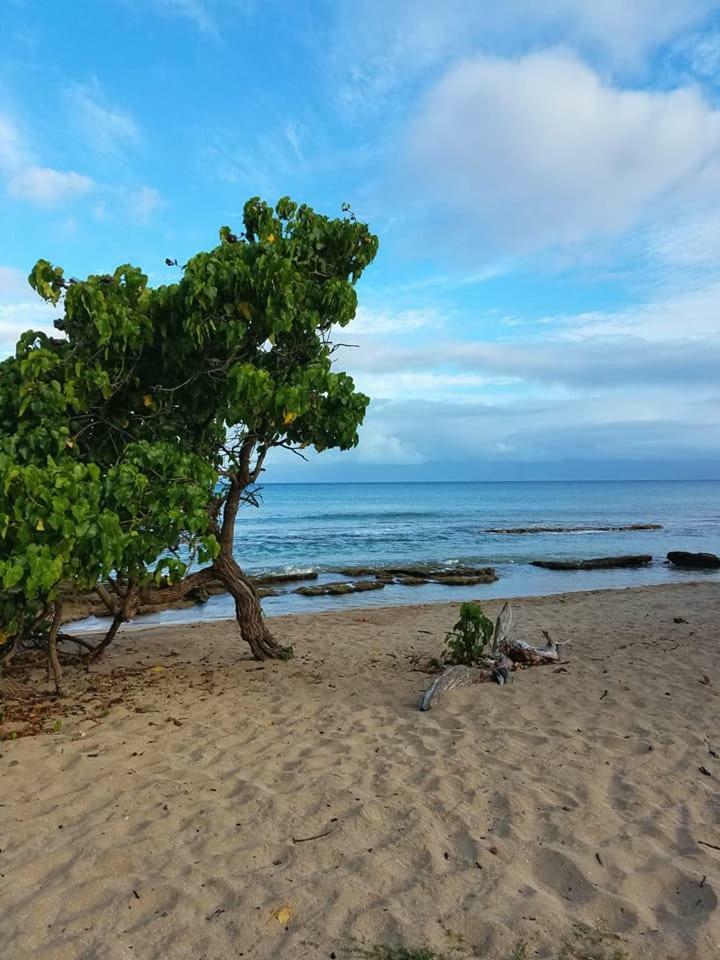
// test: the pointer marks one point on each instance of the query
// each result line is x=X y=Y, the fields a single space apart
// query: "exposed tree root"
x=10 y=690
x=507 y=655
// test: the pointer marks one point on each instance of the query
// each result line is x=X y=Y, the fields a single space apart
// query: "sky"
x=544 y=179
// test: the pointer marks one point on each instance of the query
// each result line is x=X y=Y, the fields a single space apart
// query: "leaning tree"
x=163 y=403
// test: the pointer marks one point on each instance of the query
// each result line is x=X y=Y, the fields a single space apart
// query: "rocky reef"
x=627 y=528
x=597 y=563
x=693 y=561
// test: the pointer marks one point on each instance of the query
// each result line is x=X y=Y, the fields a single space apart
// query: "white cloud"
x=668 y=348
x=538 y=152
x=13 y=282
x=143 y=202
x=27 y=180
x=699 y=54
x=104 y=126
x=627 y=30
x=633 y=424
x=203 y=14
x=47 y=187
x=12 y=149
x=17 y=312
x=16 y=318
x=384 y=44
x=379 y=446
x=691 y=240
x=427 y=383
x=196 y=11
x=685 y=318
x=606 y=362
x=605 y=386
x=261 y=164
x=50 y=188
x=371 y=322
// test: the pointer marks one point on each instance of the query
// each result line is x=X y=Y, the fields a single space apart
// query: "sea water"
x=323 y=527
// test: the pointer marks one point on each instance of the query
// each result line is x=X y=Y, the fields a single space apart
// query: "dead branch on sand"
x=507 y=655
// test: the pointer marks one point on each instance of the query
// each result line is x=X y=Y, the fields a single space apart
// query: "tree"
x=168 y=400
x=63 y=521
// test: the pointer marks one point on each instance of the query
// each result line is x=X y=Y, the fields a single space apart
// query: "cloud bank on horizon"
x=545 y=180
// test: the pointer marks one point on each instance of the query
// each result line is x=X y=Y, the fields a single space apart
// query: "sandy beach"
x=192 y=804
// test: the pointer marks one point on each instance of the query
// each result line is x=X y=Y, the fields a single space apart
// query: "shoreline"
x=159 y=818
x=218 y=608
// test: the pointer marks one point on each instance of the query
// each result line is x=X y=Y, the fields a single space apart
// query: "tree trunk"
x=150 y=595
x=122 y=615
x=248 y=611
x=53 y=662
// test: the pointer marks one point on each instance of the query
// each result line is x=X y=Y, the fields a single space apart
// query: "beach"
x=189 y=803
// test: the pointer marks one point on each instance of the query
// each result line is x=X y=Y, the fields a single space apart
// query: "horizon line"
x=362 y=483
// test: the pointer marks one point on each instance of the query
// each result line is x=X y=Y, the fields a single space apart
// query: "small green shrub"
x=384 y=952
x=468 y=639
x=520 y=952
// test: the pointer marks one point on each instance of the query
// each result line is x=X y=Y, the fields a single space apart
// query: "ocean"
x=321 y=527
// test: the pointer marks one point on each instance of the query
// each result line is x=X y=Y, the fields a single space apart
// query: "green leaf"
x=46 y=280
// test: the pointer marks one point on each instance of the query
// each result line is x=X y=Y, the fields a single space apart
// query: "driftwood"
x=506 y=656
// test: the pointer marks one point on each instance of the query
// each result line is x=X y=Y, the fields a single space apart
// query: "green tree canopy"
x=138 y=434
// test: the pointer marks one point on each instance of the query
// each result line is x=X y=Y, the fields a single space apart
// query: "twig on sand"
x=317 y=836
x=713 y=846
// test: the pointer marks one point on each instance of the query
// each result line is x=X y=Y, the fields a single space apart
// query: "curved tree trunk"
x=122 y=614
x=248 y=611
x=152 y=595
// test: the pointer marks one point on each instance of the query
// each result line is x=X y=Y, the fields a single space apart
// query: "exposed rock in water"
x=339 y=587
x=610 y=529
x=597 y=563
x=466 y=576
x=419 y=571
x=270 y=578
x=694 y=561
x=415 y=575
x=460 y=581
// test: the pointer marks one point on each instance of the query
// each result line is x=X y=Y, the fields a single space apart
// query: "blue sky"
x=544 y=177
